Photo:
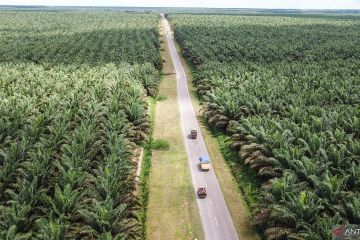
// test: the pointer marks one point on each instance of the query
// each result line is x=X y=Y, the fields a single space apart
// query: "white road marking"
x=217 y=224
x=210 y=202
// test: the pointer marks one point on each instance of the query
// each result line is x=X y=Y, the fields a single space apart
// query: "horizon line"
x=111 y=6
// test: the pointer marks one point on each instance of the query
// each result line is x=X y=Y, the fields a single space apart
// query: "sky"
x=278 y=4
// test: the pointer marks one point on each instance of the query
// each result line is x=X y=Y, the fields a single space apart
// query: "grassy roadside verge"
x=238 y=185
x=145 y=172
x=250 y=185
x=172 y=210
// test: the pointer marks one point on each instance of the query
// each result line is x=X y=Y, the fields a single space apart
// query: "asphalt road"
x=215 y=218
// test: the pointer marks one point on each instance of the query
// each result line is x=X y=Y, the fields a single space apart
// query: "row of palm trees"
x=68 y=173
x=265 y=39
x=292 y=117
x=76 y=38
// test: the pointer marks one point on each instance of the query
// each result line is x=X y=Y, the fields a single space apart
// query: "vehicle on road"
x=193 y=133
x=201 y=192
x=204 y=163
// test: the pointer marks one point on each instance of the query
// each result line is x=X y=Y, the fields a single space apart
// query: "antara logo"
x=342 y=232
x=339 y=232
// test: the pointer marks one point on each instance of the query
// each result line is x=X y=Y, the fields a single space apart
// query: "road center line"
x=217 y=224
